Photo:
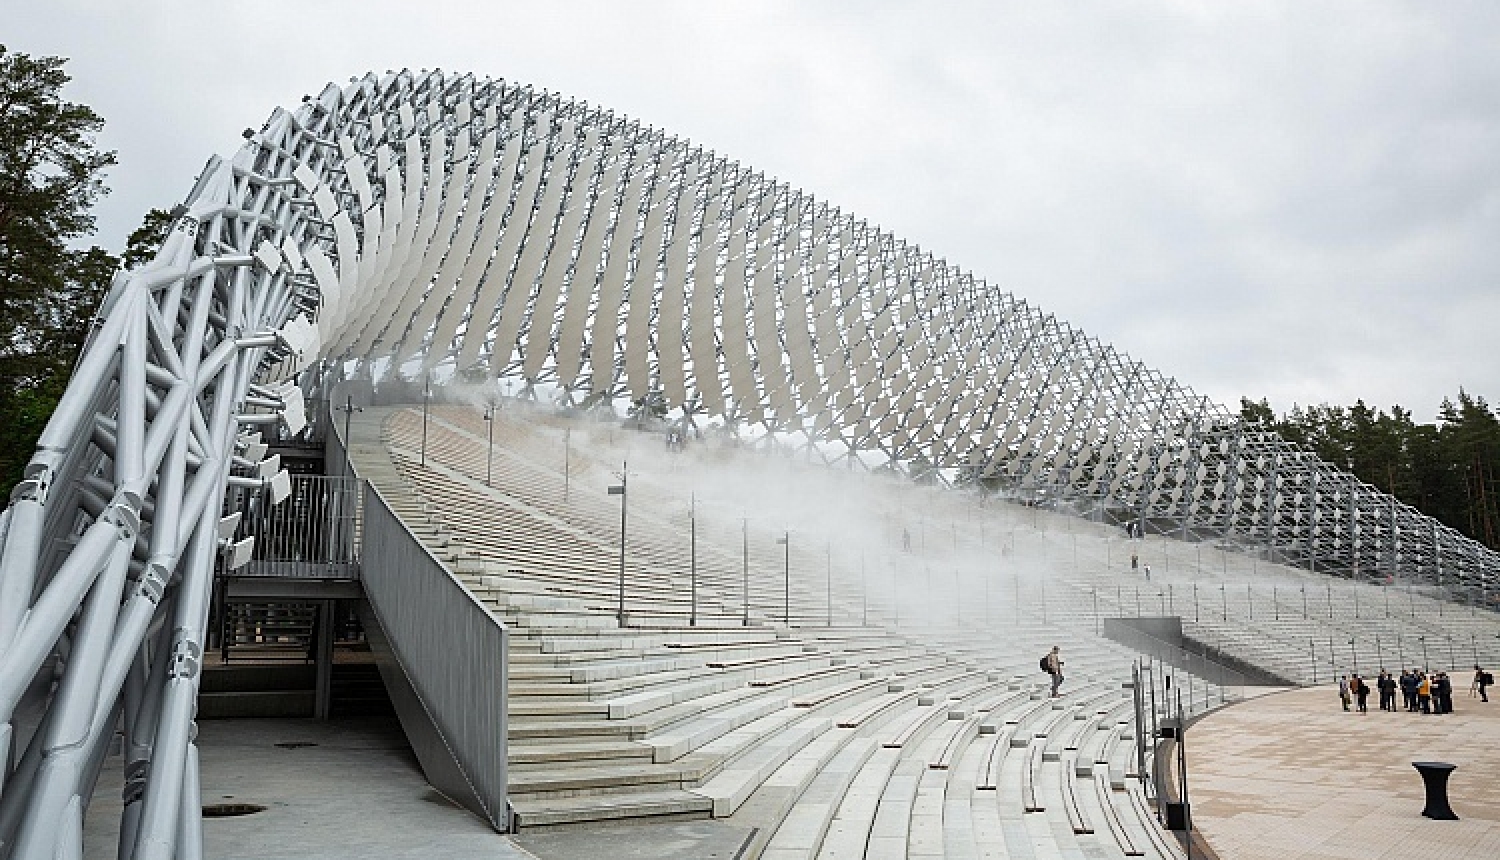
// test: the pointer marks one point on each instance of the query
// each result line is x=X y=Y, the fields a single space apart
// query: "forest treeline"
x=1445 y=469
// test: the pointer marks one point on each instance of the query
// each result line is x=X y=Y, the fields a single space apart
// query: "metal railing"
x=314 y=534
x=452 y=650
x=1203 y=682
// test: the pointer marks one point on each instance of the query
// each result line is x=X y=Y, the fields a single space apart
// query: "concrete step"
x=673 y=803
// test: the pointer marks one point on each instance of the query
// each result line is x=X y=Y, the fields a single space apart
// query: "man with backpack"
x=1052 y=664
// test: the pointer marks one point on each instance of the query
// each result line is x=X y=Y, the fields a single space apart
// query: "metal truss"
x=421 y=224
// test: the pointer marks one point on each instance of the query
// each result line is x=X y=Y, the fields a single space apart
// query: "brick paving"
x=1291 y=775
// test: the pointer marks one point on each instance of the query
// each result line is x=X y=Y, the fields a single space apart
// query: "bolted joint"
x=29 y=490
x=187 y=658
x=124 y=512
x=136 y=774
x=153 y=582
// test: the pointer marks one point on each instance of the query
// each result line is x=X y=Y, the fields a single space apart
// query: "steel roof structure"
x=427 y=223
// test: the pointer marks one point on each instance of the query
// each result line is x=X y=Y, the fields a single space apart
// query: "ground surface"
x=1292 y=775
x=352 y=788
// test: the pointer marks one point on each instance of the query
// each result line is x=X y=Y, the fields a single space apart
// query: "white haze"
x=971 y=563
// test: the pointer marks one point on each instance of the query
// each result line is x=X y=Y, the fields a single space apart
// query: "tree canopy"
x=51 y=175
x=1445 y=469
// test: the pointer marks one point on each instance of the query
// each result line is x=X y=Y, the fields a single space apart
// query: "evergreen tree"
x=51 y=174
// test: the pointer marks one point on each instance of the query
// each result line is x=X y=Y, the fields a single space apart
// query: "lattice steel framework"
x=411 y=224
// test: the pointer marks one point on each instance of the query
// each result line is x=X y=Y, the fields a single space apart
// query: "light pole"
x=1423 y=640
x=693 y=558
x=619 y=490
x=786 y=572
x=348 y=409
x=1224 y=595
x=567 y=460
x=745 y=569
x=1353 y=655
x=489 y=457
x=426 y=402
x=864 y=594
x=829 y=596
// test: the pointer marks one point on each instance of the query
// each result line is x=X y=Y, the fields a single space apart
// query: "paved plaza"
x=1291 y=775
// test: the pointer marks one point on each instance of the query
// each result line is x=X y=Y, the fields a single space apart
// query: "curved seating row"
x=912 y=735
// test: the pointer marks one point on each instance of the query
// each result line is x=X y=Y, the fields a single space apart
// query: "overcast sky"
x=1290 y=200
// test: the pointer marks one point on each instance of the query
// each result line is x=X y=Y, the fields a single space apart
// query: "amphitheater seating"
x=908 y=727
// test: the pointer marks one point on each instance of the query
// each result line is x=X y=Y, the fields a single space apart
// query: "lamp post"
x=426 y=402
x=348 y=409
x=829 y=595
x=567 y=461
x=1353 y=655
x=489 y=457
x=1423 y=640
x=864 y=594
x=745 y=569
x=619 y=490
x=786 y=573
x=693 y=558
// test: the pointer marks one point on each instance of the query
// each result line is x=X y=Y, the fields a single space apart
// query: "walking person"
x=1409 y=688
x=1361 y=693
x=1424 y=693
x=1148 y=573
x=1053 y=663
x=1482 y=679
x=1344 y=691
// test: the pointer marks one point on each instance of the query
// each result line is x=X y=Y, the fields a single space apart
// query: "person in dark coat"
x=1443 y=694
x=1409 y=689
x=1387 y=687
x=1361 y=693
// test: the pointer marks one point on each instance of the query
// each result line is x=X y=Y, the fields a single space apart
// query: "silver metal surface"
x=451 y=649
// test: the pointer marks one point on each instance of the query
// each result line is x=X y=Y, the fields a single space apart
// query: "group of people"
x=1420 y=692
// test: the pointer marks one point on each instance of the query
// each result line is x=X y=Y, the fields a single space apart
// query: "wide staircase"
x=867 y=688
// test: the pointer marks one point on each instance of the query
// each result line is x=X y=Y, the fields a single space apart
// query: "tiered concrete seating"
x=915 y=725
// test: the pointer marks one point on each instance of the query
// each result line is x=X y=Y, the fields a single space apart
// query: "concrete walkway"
x=345 y=788
x=352 y=788
x=1292 y=775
